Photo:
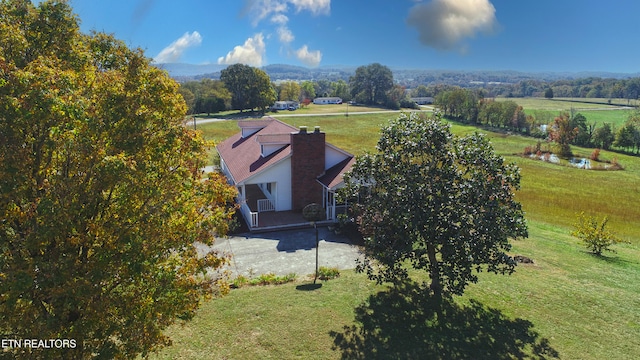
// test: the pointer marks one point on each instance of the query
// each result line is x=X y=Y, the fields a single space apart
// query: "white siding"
x=270 y=149
x=281 y=175
x=332 y=157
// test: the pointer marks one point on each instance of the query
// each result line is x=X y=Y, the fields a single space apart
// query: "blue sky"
x=522 y=35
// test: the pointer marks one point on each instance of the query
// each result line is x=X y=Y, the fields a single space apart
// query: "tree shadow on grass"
x=401 y=323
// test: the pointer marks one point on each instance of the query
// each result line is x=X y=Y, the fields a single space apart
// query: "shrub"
x=326 y=273
x=264 y=279
x=595 y=155
x=528 y=150
x=615 y=165
x=240 y=281
x=272 y=279
x=594 y=233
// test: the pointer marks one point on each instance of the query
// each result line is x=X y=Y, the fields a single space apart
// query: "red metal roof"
x=242 y=156
x=333 y=176
x=274 y=138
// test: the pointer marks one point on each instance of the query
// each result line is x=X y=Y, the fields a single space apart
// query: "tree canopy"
x=101 y=196
x=250 y=87
x=370 y=84
x=205 y=96
x=434 y=202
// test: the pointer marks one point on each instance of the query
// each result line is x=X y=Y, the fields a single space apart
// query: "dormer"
x=250 y=127
x=270 y=143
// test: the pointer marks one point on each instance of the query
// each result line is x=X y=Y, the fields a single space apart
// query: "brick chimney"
x=307 y=164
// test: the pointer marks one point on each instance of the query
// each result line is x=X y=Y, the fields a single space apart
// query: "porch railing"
x=266 y=205
x=246 y=210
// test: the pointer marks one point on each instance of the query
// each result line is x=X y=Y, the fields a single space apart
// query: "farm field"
x=615 y=117
x=621 y=102
x=584 y=306
x=595 y=110
x=558 y=104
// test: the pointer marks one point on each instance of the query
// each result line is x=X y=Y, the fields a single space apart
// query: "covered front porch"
x=258 y=208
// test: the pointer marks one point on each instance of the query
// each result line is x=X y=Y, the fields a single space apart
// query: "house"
x=426 y=100
x=279 y=169
x=285 y=105
x=327 y=100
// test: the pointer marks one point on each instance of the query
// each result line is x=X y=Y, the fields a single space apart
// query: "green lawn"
x=569 y=301
x=581 y=306
x=616 y=117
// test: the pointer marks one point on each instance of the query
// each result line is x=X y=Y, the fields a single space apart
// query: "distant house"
x=327 y=100
x=427 y=100
x=279 y=169
x=285 y=105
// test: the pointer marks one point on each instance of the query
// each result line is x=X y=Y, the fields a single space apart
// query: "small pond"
x=581 y=163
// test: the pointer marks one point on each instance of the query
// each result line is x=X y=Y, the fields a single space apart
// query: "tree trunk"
x=434 y=273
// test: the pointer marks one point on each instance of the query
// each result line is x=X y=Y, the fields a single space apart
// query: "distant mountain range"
x=281 y=72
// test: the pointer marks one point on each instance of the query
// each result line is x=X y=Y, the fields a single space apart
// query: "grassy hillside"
x=568 y=303
x=580 y=306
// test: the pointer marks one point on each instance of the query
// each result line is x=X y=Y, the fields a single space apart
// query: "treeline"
x=577 y=88
x=471 y=107
x=243 y=87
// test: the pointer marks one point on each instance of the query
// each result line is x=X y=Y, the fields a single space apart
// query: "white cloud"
x=261 y=9
x=173 y=52
x=443 y=24
x=250 y=53
x=285 y=35
x=279 y=19
x=278 y=12
x=309 y=58
x=315 y=6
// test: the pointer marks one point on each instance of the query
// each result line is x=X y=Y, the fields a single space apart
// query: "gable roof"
x=333 y=176
x=243 y=156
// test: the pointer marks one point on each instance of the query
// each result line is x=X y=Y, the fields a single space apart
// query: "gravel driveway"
x=285 y=252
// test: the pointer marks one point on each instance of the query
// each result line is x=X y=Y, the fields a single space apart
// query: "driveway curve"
x=285 y=252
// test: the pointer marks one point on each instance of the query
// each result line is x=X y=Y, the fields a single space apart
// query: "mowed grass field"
x=558 y=104
x=596 y=111
x=569 y=302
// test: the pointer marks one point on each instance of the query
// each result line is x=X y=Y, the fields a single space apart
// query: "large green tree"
x=250 y=87
x=290 y=90
x=101 y=196
x=308 y=90
x=435 y=202
x=626 y=136
x=603 y=136
x=205 y=96
x=370 y=84
x=340 y=89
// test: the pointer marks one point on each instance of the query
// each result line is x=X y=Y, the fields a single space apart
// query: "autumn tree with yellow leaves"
x=101 y=194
